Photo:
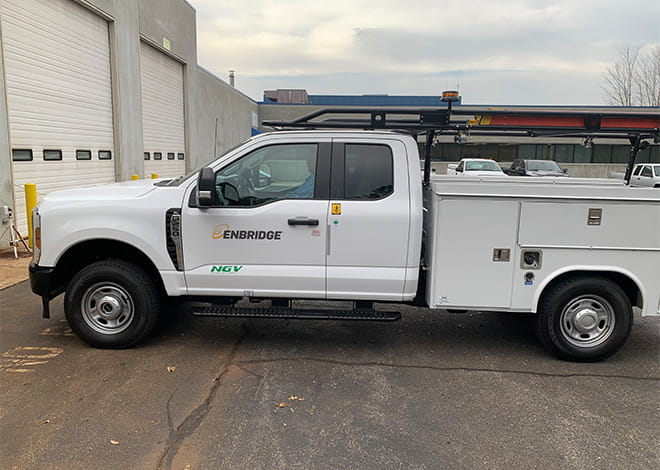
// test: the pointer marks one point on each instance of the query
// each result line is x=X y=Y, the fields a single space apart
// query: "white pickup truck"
x=339 y=214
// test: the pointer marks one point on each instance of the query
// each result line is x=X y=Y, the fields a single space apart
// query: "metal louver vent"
x=173 y=237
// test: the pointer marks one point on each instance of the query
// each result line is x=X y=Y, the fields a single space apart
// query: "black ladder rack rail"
x=634 y=127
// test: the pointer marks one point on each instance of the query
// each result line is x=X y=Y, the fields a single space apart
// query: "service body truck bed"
x=339 y=214
x=564 y=226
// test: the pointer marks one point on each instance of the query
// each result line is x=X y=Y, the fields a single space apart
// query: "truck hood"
x=546 y=173
x=114 y=191
x=483 y=173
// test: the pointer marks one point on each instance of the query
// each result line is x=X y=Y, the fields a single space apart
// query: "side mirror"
x=207 y=194
x=564 y=170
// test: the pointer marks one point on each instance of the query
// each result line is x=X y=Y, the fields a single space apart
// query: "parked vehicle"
x=476 y=167
x=646 y=175
x=370 y=231
x=536 y=168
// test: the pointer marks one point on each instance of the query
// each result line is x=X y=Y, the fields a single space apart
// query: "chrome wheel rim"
x=107 y=308
x=587 y=321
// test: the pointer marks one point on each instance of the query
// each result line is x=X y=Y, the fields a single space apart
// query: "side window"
x=368 y=171
x=637 y=170
x=647 y=172
x=286 y=171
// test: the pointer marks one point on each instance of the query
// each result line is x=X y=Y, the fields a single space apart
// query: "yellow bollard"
x=154 y=176
x=30 y=203
x=135 y=177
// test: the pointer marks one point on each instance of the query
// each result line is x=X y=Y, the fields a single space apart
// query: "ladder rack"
x=637 y=128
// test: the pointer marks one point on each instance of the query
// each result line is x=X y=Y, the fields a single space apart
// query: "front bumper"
x=42 y=282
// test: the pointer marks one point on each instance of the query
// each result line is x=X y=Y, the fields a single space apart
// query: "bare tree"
x=648 y=81
x=634 y=80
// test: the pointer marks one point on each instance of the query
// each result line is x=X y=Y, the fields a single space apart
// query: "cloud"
x=400 y=47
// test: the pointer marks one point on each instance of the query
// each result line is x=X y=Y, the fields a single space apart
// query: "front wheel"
x=112 y=304
x=585 y=319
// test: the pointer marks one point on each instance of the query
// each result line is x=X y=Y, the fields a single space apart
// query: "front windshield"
x=541 y=165
x=482 y=165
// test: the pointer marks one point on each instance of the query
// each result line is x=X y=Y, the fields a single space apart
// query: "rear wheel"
x=584 y=319
x=112 y=304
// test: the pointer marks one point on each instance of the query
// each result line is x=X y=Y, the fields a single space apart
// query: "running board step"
x=220 y=311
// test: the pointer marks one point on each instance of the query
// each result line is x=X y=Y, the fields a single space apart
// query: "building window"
x=147 y=156
x=179 y=156
x=52 y=155
x=170 y=156
x=105 y=155
x=83 y=154
x=21 y=155
x=158 y=156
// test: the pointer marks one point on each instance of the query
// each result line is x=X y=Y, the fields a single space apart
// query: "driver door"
x=266 y=236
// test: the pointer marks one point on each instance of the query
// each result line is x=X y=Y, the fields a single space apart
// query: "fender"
x=586 y=268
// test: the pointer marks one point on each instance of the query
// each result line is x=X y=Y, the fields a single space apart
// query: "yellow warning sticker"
x=336 y=209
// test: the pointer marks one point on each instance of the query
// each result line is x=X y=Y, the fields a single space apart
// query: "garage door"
x=163 y=132
x=59 y=98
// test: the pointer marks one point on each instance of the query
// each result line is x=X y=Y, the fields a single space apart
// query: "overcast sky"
x=498 y=51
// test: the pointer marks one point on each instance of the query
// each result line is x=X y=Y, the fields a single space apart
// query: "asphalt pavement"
x=434 y=390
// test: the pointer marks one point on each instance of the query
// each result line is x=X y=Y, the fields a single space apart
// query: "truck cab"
x=332 y=240
x=646 y=175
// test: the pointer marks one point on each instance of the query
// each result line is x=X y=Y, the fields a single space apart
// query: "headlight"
x=36 y=235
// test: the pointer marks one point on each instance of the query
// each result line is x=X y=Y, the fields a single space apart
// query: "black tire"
x=112 y=304
x=584 y=319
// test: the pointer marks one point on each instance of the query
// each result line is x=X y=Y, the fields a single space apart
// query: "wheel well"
x=91 y=251
x=628 y=285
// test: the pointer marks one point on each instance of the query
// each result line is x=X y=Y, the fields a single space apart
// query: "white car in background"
x=646 y=175
x=476 y=167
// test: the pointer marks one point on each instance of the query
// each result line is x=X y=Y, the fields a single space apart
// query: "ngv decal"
x=226 y=269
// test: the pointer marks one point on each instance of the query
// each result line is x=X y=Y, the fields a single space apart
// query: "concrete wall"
x=6 y=193
x=220 y=113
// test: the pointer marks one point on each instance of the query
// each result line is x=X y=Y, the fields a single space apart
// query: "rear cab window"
x=646 y=172
x=368 y=171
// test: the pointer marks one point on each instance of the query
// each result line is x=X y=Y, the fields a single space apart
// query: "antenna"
x=215 y=139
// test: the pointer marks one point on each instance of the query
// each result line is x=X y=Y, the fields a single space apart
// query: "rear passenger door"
x=635 y=179
x=368 y=220
x=646 y=176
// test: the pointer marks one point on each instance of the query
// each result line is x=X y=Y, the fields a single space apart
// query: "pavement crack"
x=447 y=369
x=195 y=418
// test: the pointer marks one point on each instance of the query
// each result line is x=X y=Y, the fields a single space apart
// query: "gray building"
x=95 y=91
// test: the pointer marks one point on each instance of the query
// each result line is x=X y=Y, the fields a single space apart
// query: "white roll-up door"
x=59 y=96
x=163 y=132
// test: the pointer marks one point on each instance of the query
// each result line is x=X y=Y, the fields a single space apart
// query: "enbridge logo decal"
x=219 y=231
x=224 y=232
